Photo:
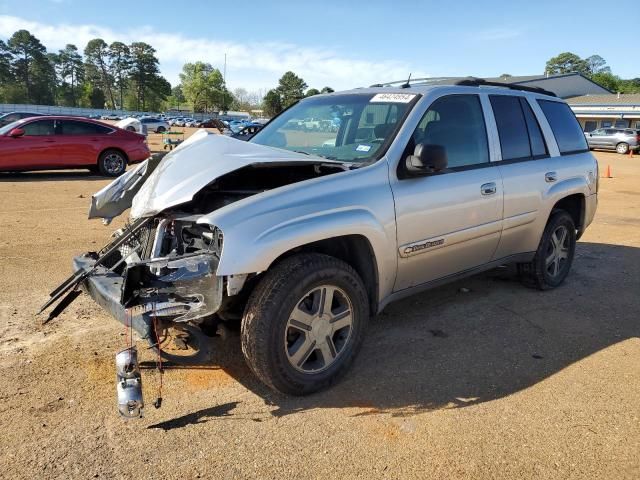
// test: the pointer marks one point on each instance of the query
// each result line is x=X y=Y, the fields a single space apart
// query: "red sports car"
x=46 y=143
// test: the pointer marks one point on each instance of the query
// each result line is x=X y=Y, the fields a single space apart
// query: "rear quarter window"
x=565 y=127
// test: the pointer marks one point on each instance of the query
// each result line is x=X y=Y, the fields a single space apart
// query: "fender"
x=565 y=188
x=256 y=231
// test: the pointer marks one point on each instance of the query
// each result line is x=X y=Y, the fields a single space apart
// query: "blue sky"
x=342 y=44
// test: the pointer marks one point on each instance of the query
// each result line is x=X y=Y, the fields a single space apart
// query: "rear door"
x=80 y=142
x=37 y=148
x=525 y=165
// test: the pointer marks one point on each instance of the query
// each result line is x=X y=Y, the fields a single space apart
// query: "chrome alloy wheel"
x=318 y=329
x=557 y=251
x=114 y=163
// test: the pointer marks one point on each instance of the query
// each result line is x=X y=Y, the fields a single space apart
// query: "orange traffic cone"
x=608 y=174
x=631 y=153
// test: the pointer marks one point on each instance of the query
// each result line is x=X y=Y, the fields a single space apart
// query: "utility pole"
x=224 y=83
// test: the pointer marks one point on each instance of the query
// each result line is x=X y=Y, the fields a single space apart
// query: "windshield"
x=351 y=127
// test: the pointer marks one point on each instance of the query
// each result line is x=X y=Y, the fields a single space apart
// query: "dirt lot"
x=499 y=382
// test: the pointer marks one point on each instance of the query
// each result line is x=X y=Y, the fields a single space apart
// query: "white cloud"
x=249 y=65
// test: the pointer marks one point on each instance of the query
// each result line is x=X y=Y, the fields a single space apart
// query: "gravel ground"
x=499 y=381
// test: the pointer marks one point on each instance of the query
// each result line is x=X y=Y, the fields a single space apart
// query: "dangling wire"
x=158 y=402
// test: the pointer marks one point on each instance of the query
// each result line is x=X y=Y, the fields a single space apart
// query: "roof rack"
x=464 y=82
x=480 y=82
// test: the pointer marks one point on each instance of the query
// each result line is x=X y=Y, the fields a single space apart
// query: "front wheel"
x=160 y=130
x=554 y=256
x=112 y=163
x=304 y=323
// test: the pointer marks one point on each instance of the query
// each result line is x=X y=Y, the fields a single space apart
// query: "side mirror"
x=427 y=159
x=16 y=132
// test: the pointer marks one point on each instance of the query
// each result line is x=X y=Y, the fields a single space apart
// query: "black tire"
x=160 y=130
x=266 y=329
x=542 y=274
x=131 y=129
x=622 y=148
x=112 y=163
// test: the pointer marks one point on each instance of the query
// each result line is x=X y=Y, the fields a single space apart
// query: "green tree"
x=630 y=86
x=567 y=62
x=291 y=88
x=597 y=64
x=311 y=92
x=203 y=87
x=144 y=76
x=327 y=90
x=272 y=103
x=70 y=70
x=120 y=64
x=97 y=98
x=97 y=68
x=31 y=67
x=607 y=80
x=176 y=98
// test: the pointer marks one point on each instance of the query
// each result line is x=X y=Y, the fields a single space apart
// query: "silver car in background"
x=153 y=124
x=619 y=139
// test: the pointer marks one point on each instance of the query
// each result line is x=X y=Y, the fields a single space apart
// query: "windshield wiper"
x=300 y=151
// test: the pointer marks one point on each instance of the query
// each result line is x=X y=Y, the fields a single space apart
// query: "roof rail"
x=466 y=82
x=480 y=82
x=412 y=81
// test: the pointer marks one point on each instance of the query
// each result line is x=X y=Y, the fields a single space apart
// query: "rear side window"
x=518 y=129
x=565 y=127
x=72 y=127
x=512 y=129
x=538 y=145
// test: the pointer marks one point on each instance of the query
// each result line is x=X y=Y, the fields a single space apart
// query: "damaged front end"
x=155 y=272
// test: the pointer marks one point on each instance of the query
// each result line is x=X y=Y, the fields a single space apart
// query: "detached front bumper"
x=180 y=289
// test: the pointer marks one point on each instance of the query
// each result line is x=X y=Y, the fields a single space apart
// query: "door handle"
x=550 y=177
x=488 y=188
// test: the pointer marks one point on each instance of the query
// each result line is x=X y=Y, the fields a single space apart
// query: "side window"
x=456 y=123
x=538 y=145
x=512 y=128
x=71 y=127
x=39 y=128
x=565 y=126
x=590 y=125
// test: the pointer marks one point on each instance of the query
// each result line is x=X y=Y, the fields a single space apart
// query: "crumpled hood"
x=199 y=161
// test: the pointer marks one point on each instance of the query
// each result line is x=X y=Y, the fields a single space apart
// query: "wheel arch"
x=355 y=250
x=575 y=206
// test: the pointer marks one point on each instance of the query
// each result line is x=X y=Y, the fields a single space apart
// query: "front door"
x=35 y=149
x=449 y=221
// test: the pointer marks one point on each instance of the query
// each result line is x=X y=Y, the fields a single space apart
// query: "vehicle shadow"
x=51 y=175
x=451 y=348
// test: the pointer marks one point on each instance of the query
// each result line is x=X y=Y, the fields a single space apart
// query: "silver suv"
x=303 y=235
x=619 y=139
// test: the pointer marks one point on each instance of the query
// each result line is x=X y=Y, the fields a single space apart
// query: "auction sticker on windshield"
x=393 y=97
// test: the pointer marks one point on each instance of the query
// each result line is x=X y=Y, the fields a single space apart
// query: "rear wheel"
x=554 y=256
x=622 y=148
x=112 y=163
x=131 y=129
x=160 y=130
x=304 y=323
